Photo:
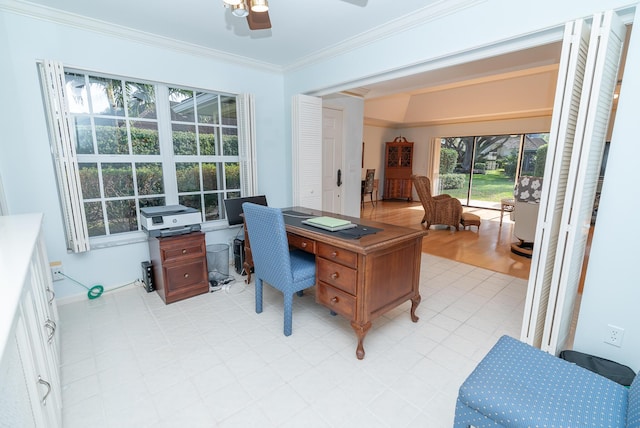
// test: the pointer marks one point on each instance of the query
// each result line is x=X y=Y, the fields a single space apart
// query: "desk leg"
x=361 y=332
x=415 y=301
x=247 y=269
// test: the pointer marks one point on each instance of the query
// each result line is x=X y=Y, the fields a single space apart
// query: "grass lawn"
x=490 y=187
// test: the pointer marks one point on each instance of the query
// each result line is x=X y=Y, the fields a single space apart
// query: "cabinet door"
x=15 y=401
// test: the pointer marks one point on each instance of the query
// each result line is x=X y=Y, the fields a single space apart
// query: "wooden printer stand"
x=179 y=266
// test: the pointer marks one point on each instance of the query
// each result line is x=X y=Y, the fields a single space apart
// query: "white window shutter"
x=63 y=149
x=247 y=144
x=563 y=127
x=306 y=146
x=605 y=49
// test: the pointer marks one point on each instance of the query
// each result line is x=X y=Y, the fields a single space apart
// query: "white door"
x=603 y=60
x=586 y=78
x=332 y=168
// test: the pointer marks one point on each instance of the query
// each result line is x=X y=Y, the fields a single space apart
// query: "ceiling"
x=301 y=31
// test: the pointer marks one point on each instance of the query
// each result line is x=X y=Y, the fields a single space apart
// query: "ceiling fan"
x=256 y=12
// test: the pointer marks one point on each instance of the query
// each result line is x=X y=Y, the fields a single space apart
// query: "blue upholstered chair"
x=289 y=272
x=517 y=385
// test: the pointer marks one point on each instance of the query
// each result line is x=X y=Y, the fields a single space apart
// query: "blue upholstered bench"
x=517 y=385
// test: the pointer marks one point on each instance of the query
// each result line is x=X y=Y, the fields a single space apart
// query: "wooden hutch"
x=398 y=167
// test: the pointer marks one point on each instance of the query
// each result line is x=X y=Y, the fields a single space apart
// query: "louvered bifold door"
x=601 y=75
x=306 y=147
x=561 y=137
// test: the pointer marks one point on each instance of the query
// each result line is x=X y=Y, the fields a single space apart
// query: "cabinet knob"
x=186 y=275
x=334 y=275
x=184 y=251
x=334 y=300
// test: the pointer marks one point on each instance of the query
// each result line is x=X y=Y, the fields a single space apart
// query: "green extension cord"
x=93 y=292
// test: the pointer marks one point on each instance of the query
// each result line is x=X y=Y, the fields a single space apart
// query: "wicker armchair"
x=440 y=209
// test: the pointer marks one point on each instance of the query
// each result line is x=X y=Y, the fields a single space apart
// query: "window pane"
x=141 y=100
x=111 y=136
x=207 y=135
x=89 y=180
x=84 y=136
x=106 y=96
x=188 y=176
x=228 y=105
x=117 y=179
x=534 y=154
x=149 y=178
x=122 y=216
x=184 y=140
x=210 y=177
x=95 y=219
x=232 y=175
x=192 y=201
x=211 y=206
x=181 y=103
x=151 y=202
x=76 y=90
x=144 y=138
x=230 y=141
x=207 y=108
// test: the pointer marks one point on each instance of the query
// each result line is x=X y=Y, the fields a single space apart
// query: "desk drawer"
x=344 y=257
x=301 y=243
x=337 y=275
x=337 y=300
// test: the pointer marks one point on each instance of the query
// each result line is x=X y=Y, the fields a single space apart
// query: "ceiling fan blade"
x=258 y=20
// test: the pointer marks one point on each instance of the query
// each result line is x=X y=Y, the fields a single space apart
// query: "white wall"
x=25 y=160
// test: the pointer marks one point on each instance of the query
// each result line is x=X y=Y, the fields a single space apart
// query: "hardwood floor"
x=489 y=248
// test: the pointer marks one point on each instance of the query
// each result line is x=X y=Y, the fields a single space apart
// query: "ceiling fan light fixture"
x=239 y=10
x=232 y=2
x=259 y=5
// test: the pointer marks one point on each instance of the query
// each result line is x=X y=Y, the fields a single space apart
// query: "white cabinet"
x=29 y=344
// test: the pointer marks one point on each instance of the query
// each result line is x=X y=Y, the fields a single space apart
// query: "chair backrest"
x=368 y=181
x=268 y=241
x=423 y=188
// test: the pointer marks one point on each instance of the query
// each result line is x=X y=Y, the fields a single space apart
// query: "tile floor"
x=129 y=360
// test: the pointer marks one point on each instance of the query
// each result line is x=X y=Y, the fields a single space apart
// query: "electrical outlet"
x=56 y=271
x=614 y=335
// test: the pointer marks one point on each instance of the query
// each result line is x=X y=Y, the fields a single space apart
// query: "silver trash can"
x=218 y=263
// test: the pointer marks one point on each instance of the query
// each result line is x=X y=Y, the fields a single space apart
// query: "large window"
x=480 y=171
x=143 y=144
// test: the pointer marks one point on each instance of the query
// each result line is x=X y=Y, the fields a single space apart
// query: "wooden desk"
x=359 y=279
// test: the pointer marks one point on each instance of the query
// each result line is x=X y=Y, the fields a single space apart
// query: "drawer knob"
x=184 y=251
x=334 y=275
x=334 y=254
x=303 y=245
x=334 y=300
x=186 y=275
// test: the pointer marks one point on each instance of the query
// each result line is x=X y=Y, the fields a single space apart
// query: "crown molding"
x=89 y=24
x=428 y=13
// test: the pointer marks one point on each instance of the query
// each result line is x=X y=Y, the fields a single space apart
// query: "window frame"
x=169 y=160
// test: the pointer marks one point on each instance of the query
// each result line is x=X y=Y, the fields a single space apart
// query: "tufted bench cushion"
x=468 y=219
x=517 y=385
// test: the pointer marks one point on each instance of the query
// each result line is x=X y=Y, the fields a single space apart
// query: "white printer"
x=170 y=220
